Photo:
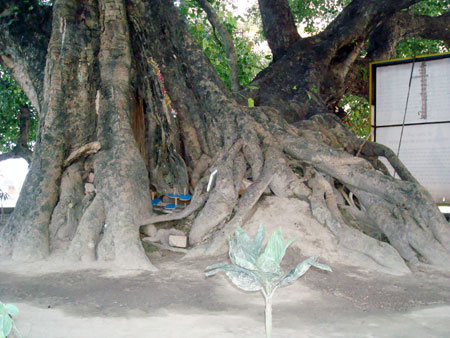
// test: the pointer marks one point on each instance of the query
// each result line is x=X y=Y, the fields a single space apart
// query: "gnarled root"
x=398 y=208
x=368 y=251
x=413 y=239
x=84 y=244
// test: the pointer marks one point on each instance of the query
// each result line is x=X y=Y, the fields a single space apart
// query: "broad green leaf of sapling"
x=7 y=311
x=254 y=269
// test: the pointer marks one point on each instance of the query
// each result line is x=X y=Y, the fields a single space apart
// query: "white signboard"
x=425 y=144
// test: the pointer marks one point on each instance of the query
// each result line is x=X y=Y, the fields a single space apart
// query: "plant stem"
x=268 y=316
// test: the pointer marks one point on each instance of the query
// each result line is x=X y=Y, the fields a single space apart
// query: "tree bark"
x=406 y=24
x=86 y=97
x=279 y=26
x=126 y=74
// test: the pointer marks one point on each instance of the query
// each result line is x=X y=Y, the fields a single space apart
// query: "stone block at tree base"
x=178 y=241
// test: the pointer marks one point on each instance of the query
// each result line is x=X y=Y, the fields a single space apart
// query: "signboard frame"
x=373 y=94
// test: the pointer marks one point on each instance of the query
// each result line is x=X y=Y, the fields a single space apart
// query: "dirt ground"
x=58 y=301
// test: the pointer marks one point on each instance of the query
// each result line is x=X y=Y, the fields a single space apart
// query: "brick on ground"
x=178 y=241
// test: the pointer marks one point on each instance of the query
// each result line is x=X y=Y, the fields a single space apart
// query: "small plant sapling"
x=6 y=320
x=256 y=270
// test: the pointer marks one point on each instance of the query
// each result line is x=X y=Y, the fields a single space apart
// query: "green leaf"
x=204 y=44
x=253 y=87
x=7 y=325
x=301 y=269
x=287 y=245
x=242 y=236
x=242 y=250
x=296 y=272
x=259 y=238
x=215 y=268
x=251 y=102
x=270 y=260
x=12 y=309
x=321 y=266
x=245 y=279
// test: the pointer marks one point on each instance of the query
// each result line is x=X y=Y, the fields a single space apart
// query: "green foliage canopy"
x=12 y=99
x=250 y=60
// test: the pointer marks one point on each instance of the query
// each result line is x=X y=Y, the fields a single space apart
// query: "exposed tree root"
x=413 y=240
x=386 y=202
x=68 y=210
x=370 y=252
x=84 y=243
x=221 y=200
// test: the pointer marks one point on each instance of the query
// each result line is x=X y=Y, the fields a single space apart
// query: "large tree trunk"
x=88 y=96
x=126 y=74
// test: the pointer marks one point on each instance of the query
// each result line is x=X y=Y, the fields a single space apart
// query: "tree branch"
x=345 y=36
x=386 y=37
x=26 y=28
x=279 y=26
x=24 y=126
x=384 y=24
x=313 y=70
x=358 y=20
x=214 y=20
x=18 y=152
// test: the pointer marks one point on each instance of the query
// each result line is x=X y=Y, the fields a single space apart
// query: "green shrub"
x=256 y=270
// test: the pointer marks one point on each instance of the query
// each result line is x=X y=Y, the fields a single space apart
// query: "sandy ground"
x=178 y=301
